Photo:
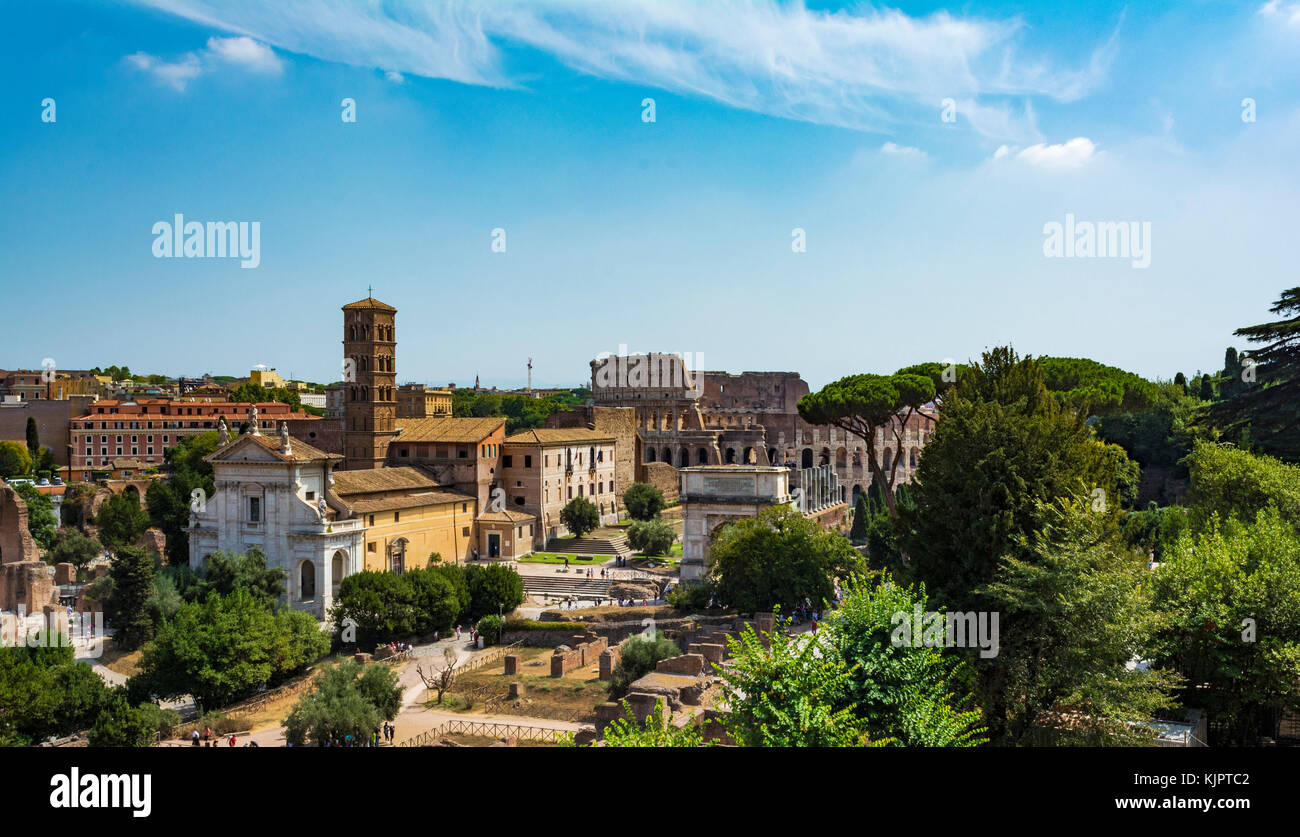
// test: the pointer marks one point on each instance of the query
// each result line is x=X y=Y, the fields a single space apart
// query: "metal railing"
x=486 y=729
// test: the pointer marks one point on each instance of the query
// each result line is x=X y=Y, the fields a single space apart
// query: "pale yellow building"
x=419 y=401
x=268 y=378
x=407 y=515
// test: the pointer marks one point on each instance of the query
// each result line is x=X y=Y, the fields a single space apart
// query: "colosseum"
x=686 y=417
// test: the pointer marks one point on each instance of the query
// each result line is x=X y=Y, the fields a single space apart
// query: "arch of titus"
x=714 y=495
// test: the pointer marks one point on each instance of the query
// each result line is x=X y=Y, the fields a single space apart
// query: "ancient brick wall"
x=664 y=477
x=16 y=542
x=584 y=653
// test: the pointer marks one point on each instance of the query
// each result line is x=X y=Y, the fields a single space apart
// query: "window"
x=464 y=507
x=519 y=501
x=403 y=453
x=462 y=453
x=372 y=520
x=528 y=461
x=464 y=532
x=397 y=517
x=311 y=495
x=570 y=492
x=507 y=461
x=254 y=509
x=370 y=547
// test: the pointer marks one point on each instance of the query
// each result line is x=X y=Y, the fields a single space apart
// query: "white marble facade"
x=274 y=494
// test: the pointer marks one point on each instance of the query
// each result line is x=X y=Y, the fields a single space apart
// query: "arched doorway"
x=771 y=456
x=306 y=581
x=806 y=458
x=337 y=569
x=650 y=454
x=683 y=458
x=702 y=456
x=397 y=556
x=731 y=456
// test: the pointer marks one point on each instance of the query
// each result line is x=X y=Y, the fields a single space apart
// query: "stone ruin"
x=687 y=685
x=25 y=580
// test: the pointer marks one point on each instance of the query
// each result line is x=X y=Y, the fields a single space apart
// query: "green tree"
x=858 y=533
x=872 y=407
x=455 y=575
x=121 y=521
x=1268 y=407
x=638 y=656
x=1207 y=388
x=1233 y=591
x=778 y=559
x=906 y=693
x=489 y=627
x=222 y=649
x=1075 y=612
x=1095 y=389
x=226 y=572
x=15 y=461
x=580 y=516
x=119 y=724
x=41 y=520
x=1228 y=482
x=44 y=692
x=494 y=589
x=72 y=547
x=651 y=537
x=348 y=700
x=33 y=437
x=387 y=606
x=643 y=501
x=1003 y=444
x=653 y=731
x=789 y=692
x=132 y=571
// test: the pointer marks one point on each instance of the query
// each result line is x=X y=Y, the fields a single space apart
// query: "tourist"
x=194 y=737
x=207 y=734
x=458 y=632
x=232 y=740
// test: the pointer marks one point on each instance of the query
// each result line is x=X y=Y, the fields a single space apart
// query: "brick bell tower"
x=370 y=383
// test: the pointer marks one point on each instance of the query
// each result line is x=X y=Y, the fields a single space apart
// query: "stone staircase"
x=577 y=586
x=613 y=547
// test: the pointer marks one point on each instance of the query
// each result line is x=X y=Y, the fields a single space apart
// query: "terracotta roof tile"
x=557 y=436
x=372 y=481
x=450 y=430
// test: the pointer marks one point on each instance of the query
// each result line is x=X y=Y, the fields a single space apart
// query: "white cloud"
x=245 y=52
x=901 y=150
x=1290 y=12
x=1066 y=155
x=242 y=52
x=865 y=69
x=394 y=76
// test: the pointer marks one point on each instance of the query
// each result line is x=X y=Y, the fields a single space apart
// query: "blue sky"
x=924 y=237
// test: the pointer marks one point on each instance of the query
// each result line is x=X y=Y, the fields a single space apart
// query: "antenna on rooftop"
x=530 y=374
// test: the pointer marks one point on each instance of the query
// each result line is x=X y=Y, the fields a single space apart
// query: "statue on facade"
x=322 y=507
x=223 y=432
x=284 y=437
x=253 y=422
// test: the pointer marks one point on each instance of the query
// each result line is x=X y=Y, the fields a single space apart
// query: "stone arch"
x=889 y=458
x=857 y=489
x=702 y=456
x=650 y=453
x=806 y=458
x=825 y=457
x=841 y=457
x=667 y=455
x=731 y=456
x=771 y=456
x=683 y=458
x=912 y=458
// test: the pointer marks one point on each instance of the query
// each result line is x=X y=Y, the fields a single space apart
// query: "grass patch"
x=558 y=558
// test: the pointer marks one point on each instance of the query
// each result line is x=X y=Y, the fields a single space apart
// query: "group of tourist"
x=209 y=742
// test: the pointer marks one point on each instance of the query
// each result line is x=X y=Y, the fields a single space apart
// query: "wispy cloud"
x=901 y=150
x=867 y=70
x=242 y=52
x=1065 y=155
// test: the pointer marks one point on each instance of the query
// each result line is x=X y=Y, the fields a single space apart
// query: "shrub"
x=512 y=625
x=690 y=596
x=638 y=657
x=489 y=627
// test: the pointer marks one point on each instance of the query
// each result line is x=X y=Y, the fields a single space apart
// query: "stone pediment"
x=246 y=449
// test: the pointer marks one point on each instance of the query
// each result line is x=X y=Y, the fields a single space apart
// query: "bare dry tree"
x=441 y=678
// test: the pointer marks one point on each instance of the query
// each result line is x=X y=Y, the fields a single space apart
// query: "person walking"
x=194 y=737
x=207 y=735
x=232 y=740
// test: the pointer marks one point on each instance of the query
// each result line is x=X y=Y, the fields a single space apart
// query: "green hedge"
x=534 y=625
